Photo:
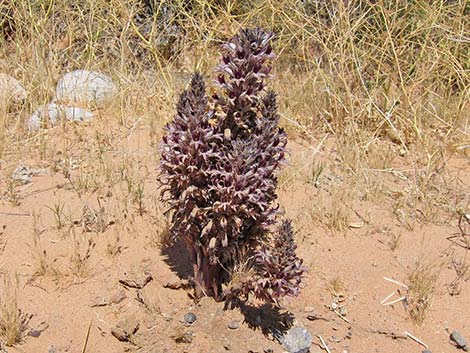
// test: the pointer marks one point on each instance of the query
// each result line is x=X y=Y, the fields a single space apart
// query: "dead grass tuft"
x=13 y=322
x=422 y=282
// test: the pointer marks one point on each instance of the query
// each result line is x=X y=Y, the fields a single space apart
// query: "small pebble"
x=233 y=325
x=426 y=351
x=268 y=350
x=459 y=340
x=335 y=339
x=34 y=333
x=349 y=335
x=190 y=318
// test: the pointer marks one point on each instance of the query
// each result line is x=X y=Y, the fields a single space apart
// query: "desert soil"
x=70 y=274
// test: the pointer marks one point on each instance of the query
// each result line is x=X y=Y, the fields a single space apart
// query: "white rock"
x=85 y=87
x=54 y=113
x=297 y=340
x=11 y=91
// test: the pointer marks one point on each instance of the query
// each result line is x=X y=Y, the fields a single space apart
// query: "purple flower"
x=218 y=175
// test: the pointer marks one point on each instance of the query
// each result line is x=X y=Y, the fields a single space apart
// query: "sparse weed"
x=13 y=322
x=113 y=247
x=161 y=236
x=422 y=283
x=59 y=215
x=338 y=214
x=11 y=192
x=80 y=254
x=316 y=172
x=139 y=197
x=37 y=251
x=96 y=220
x=394 y=241
x=336 y=285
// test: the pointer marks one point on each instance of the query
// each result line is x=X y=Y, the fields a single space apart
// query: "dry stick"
x=342 y=317
x=86 y=338
x=394 y=301
x=387 y=298
x=396 y=282
x=324 y=344
x=15 y=214
x=416 y=339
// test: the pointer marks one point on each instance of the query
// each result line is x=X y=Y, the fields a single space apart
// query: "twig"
x=342 y=317
x=417 y=340
x=391 y=334
x=15 y=214
x=394 y=301
x=396 y=282
x=87 y=336
x=387 y=297
x=324 y=344
x=35 y=192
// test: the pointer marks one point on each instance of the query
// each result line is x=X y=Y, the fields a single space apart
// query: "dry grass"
x=379 y=87
x=422 y=283
x=81 y=248
x=12 y=321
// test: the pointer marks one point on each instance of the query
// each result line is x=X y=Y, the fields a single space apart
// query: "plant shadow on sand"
x=177 y=258
x=268 y=318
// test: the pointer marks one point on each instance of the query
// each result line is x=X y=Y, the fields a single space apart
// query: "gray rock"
x=459 y=340
x=54 y=113
x=426 y=351
x=297 y=340
x=233 y=325
x=11 y=91
x=190 y=318
x=34 y=333
x=23 y=174
x=85 y=86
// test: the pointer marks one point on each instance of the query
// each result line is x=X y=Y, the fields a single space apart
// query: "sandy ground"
x=108 y=233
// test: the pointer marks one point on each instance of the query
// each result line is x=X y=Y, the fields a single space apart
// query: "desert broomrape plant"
x=220 y=158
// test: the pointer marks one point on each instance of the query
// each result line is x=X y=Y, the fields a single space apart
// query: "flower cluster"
x=280 y=270
x=218 y=172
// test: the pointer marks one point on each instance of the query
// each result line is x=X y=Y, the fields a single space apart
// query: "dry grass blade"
x=85 y=344
x=13 y=322
x=422 y=282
